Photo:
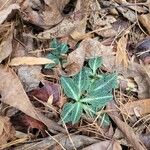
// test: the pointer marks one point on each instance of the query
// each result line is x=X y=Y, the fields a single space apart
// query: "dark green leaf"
x=103 y=85
x=88 y=71
x=63 y=48
x=104 y=118
x=67 y=111
x=82 y=81
x=54 y=58
x=70 y=88
x=95 y=63
x=89 y=110
x=97 y=101
x=76 y=112
x=72 y=112
x=54 y=43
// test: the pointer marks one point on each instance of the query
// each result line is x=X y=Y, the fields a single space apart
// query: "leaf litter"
x=38 y=80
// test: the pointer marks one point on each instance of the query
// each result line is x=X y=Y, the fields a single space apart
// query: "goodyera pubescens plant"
x=59 y=49
x=87 y=92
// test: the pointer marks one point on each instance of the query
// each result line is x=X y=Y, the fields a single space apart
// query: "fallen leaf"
x=124 y=127
x=127 y=13
x=136 y=71
x=74 y=24
x=44 y=14
x=7 y=132
x=79 y=141
x=145 y=138
x=62 y=29
x=87 y=49
x=29 y=61
x=23 y=122
x=13 y=94
x=8 y=12
x=6 y=44
x=104 y=145
x=141 y=107
x=121 y=54
x=44 y=93
x=30 y=76
x=142 y=50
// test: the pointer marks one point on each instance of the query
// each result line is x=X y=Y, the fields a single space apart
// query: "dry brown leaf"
x=13 y=94
x=6 y=45
x=142 y=107
x=135 y=71
x=88 y=48
x=62 y=29
x=127 y=13
x=104 y=145
x=145 y=138
x=49 y=12
x=74 y=23
x=124 y=127
x=7 y=132
x=144 y=19
x=17 y=61
x=64 y=142
x=30 y=76
x=7 y=12
x=121 y=54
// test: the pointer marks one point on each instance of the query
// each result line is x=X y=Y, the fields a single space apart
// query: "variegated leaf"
x=66 y=112
x=95 y=63
x=70 y=88
x=76 y=112
x=72 y=112
x=104 y=85
x=89 y=110
x=97 y=100
x=82 y=81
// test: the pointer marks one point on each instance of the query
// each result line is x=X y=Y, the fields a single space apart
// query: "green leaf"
x=63 y=48
x=66 y=112
x=88 y=71
x=54 y=43
x=82 y=81
x=76 y=112
x=89 y=110
x=105 y=84
x=104 y=118
x=54 y=58
x=70 y=88
x=97 y=101
x=95 y=63
x=72 y=112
